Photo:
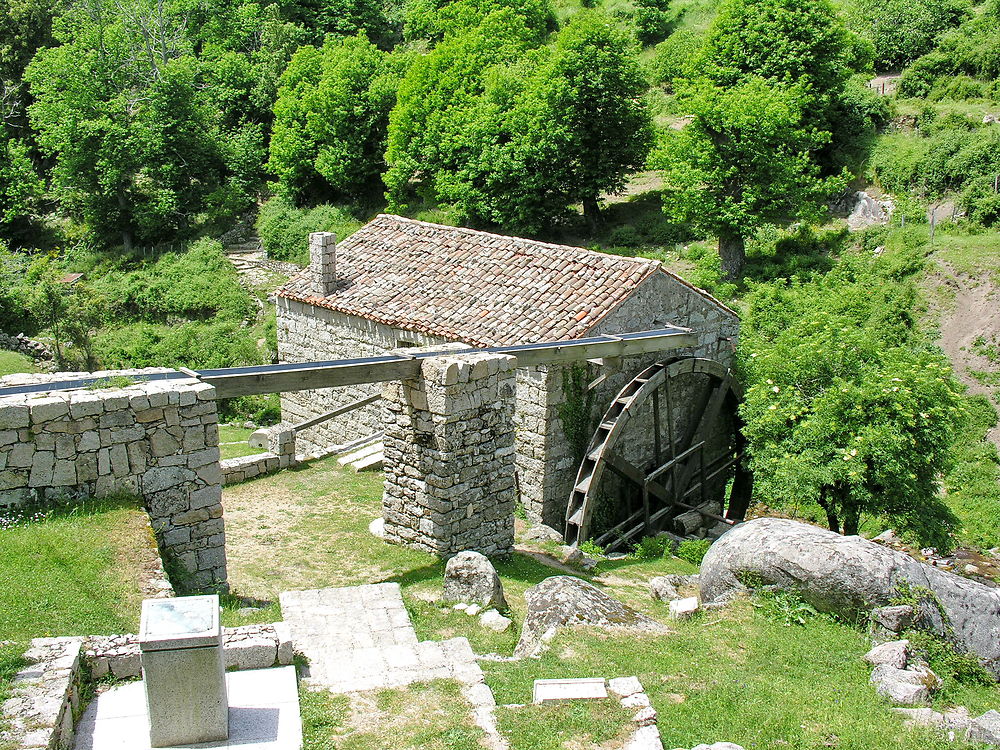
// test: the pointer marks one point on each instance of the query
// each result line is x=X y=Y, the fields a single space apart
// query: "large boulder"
x=851 y=576
x=563 y=601
x=470 y=577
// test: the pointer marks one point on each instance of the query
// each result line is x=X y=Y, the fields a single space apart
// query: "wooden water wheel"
x=667 y=455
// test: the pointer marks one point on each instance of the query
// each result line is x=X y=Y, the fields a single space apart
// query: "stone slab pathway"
x=361 y=638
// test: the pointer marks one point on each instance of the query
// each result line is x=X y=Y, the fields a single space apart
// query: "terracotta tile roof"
x=480 y=288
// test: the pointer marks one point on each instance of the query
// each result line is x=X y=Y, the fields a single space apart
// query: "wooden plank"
x=572 y=352
x=309 y=377
x=336 y=412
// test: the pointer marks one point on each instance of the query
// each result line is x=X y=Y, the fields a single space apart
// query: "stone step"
x=374 y=462
x=366 y=457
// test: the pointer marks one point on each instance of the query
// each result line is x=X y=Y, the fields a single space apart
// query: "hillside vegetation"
x=711 y=134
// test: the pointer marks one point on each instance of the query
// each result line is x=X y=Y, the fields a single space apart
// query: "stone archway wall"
x=158 y=440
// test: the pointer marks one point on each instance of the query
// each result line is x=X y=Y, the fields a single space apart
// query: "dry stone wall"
x=449 y=456
x=307 y=333
x=154 y=439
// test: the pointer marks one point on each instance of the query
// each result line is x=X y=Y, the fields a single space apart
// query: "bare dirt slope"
x=968 y=310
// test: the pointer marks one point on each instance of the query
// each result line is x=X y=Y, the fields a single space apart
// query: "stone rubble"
x=45 y=695
x=631 y=694
x=495 y=621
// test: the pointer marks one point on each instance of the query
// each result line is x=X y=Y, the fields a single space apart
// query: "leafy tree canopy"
x=903 y=30
x=331 y=119
x=847 y=409
x=745 y=159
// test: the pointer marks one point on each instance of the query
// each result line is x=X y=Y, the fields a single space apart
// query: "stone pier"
x=450 y=456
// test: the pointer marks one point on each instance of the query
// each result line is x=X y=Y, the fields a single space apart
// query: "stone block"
x=251 y=653
x=48 y=409
x=14 y=416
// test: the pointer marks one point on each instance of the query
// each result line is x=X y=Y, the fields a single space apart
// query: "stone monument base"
x=263 y=715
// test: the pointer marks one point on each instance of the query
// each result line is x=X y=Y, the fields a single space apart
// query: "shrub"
x=198 y=283
x=675 y=56
x=652 y=548
x=693 y=550
x=284 y=229
x=786 y=607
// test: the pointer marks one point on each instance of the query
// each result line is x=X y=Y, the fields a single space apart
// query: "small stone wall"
x=39 y=713
x=280 y=456
x=154 y=439
x=245 y=647
x=449 y=456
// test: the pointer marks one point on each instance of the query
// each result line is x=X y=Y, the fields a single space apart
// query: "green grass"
x=973 y=485
x=556 y=725
x=12 y=362
x=74 y=573
x=233 y=441
x=431 y=716
x=738 y=674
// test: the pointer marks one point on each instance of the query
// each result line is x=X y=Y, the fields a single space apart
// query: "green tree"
x=120 y=108
x=785 y=42
x=587 y=105
x=903 y=30
x=847 y=409
x=434 y=133
x=746 y=159
x=544 y=129
x=330 y=123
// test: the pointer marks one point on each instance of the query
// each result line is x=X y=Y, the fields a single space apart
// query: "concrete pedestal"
x=184 y=671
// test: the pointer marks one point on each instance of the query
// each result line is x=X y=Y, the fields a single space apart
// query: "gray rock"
x=470 y=577
x=887 y=537
x=377 y=528
x=644 y=738
x=893 y=654
x=986 y=728
x=624 y=686
x=894 y=619
x=562 y=601
x=681 y=609
x=542 y=533
x=494 y=621
x=903 y=692
x=850 y=576
x=917 y=674
x=569 y=555
x=662 y=589
x=719 y=746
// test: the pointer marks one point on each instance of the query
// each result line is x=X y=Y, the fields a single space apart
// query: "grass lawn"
x=11 y=362
x=738 y=674
x=430 y=716
x=233 y=441
x=73 y=573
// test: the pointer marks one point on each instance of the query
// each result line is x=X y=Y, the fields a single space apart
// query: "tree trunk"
x=830 y=507
x=592 y=212
x=732 y=250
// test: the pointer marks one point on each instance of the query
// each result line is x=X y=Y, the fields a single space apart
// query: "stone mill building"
x=399 y=283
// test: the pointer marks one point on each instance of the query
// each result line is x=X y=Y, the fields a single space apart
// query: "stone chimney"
x=323 y=262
